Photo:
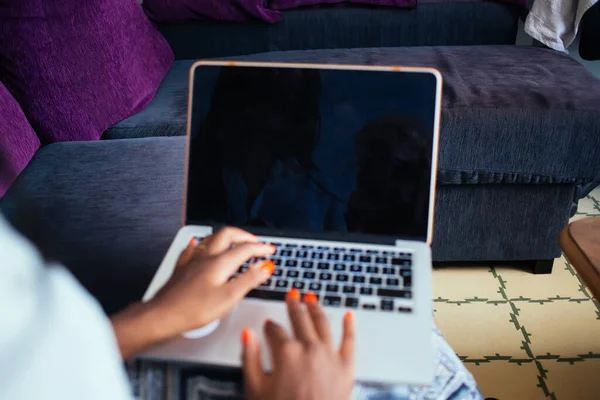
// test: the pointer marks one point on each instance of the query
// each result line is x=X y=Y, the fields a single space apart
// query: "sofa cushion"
x=511 y=114
x=222 y=10
x=432 y=23
x=77 y=67
x=18 y=141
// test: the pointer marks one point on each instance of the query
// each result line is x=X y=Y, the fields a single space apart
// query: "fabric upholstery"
x=445 y=23
x=291 y=4
x=118 y=218
x=18 y=141
x=221 y=10
x=78 y=67
x=518 y=110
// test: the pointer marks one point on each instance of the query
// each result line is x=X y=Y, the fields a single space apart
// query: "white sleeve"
x=55 y=341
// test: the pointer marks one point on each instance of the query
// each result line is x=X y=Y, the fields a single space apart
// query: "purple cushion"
x=289 y=4
x=77 y=67
x=18 y=141
x=223 y=10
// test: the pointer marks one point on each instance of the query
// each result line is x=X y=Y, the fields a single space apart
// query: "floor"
x=523 y=336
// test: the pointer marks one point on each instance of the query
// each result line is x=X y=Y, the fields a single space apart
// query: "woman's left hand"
x=198 y=292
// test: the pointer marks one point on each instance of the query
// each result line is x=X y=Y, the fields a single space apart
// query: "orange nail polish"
x=310 y=297
x=349 y=315
x=293 y=294
x=268 y=266
x=193 y=241
x=245 y=335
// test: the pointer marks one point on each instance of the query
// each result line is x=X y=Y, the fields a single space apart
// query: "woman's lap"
x=154 y=380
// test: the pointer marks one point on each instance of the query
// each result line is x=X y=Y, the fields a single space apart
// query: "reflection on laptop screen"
x=308 y=150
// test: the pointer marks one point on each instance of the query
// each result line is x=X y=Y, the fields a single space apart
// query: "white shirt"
x=55 y=341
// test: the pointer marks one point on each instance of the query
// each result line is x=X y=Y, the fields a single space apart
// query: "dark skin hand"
x=197 y=293
x=305 y=365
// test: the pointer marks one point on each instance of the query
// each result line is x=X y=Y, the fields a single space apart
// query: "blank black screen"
x=308 y=150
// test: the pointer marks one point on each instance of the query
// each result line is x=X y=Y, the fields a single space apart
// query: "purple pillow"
x=18 y=141
x=77 y=67
x=289 y=4
x=222 y=10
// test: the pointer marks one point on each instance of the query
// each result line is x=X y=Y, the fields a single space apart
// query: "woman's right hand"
x=305 y=366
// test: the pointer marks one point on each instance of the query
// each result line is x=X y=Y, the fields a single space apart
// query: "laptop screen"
x=280 y=150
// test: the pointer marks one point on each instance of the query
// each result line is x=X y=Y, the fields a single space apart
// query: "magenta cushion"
x=289 y=4
x=77 y=67
x=18 y=141
x=222 y=10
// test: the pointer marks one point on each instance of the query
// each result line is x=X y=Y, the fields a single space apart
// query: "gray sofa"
x=519 y=145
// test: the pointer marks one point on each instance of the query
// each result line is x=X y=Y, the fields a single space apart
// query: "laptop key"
x=317 y=256
x=388 y=271
x=266 y=283
x=307 y=246
x=341 y=278
x=301 y=254
x=403 y=294
x=333 y=257
x=281 y=283
x=277 y=272
x=365 y=259
x=276 y=260
x=292 y=273
x=405 y=272
x=372 y=270
x=314 y=286
x=401 y=262
x=349 y=257
x=309 y=275
x=338 y=249
x=334 y=301
x=356 y=250
x=392 y=281
x=381 y=260
x=323 y=266
x=375 y=280
x=351 y=302
x=369 y=306
x=387 y=305
x=367 y=291
x=291 y=263
x=332 y=288
x=339 y=267
x=307 y=264
x=407 y=281
x=358 y=279
x=291 y=245
x=356 y=268
x=405 y=309
x=323 y=248
x=325 y=276
x=266 y=294
x=298 y=285
x=286 y=253
x=372 y=252
x=349 y=289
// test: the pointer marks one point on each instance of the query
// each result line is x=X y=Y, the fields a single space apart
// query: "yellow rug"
x=524 y=336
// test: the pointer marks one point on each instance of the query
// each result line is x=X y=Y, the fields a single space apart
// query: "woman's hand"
x=198 y=292
x=305 y=366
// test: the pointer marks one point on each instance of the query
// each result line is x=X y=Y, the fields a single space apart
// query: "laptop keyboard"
x=357 y=278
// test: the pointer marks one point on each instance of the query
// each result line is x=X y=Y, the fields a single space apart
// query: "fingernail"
x=193 y=241
x=273 y=247
x=349 y=316
x=245 y=335
x=310 y=297
x=293 y=294
x=268 y=267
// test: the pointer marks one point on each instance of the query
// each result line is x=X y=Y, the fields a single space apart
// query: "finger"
x=230 y=261
x=302 y=325
x=254 y=375
x=347 y=344
x=225 y=238
x=319 y=319
x=276 y=338
x=245 y=282
x=187 y=253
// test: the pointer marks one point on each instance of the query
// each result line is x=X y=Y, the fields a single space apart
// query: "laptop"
x=335 y=165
